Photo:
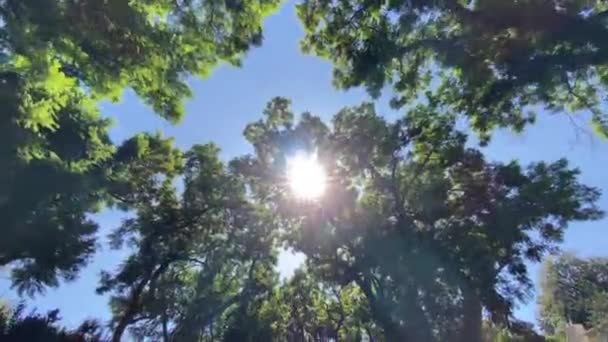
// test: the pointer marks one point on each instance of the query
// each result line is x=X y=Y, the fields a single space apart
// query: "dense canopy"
x=487 y=59
x=574 y=291
x=409 y=231
x=428 y=229
x=105 y=46
x=58 y=59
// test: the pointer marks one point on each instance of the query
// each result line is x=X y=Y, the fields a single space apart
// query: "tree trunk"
x=134 y=302
x=471 y=324
x=128 y=315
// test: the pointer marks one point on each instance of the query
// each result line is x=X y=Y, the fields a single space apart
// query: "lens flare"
x=306 y=176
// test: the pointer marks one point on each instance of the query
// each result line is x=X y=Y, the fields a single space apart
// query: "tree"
x=489 y=59
x=573 y=291
x=59 y=178
x=517 y=331
x=196 y=256
x=47 y=183
x=106 y=46
x=305 y=308
x=15 y=326
x=424 y=226
x=57 y=60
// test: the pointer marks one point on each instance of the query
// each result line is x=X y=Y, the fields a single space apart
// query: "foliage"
x=306 y=309
x=106 y=46
x=57 y=60
x=196 y=256
x=48 y=182
x=418 y=238
x=486 y=59
x=58 y=179
x=428 y=230
x=517 y=331
x=575 y=291
x=15 y=326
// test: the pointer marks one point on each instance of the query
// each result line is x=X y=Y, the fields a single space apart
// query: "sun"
x=306 y=176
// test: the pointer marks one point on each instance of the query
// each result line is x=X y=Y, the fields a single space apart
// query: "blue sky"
x=232 y=97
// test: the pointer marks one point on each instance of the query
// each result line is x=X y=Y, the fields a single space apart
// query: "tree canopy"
x=16 y=326
x=426 y=227
x=307 y=308
x=417 y=234
x=488 y=59
x=58 y=59
x=573 y=291
x=196 y=256
x=414 y=235
x=48 y=198
x=107 y=46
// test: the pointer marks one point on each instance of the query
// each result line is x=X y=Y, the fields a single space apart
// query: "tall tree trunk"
x=471 y=324
x=129 y=313
x=135 y=302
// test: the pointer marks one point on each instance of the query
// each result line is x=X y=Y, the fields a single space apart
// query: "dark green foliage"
x=517 y=331
x=15 y=326
x=417 y=234
x=58 y=58
x=428 y=230
x=197 y=256
x=149 y=46
x=246 y=324
x=49 y=181
x=575 y=291
x=52 y=187
x=486 y=59
x=307 y=309
x=304 y=308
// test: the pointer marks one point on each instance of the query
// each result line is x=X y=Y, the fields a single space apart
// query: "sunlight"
x=306 y=176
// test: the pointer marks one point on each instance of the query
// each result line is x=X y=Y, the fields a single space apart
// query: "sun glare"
x=306 y=176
